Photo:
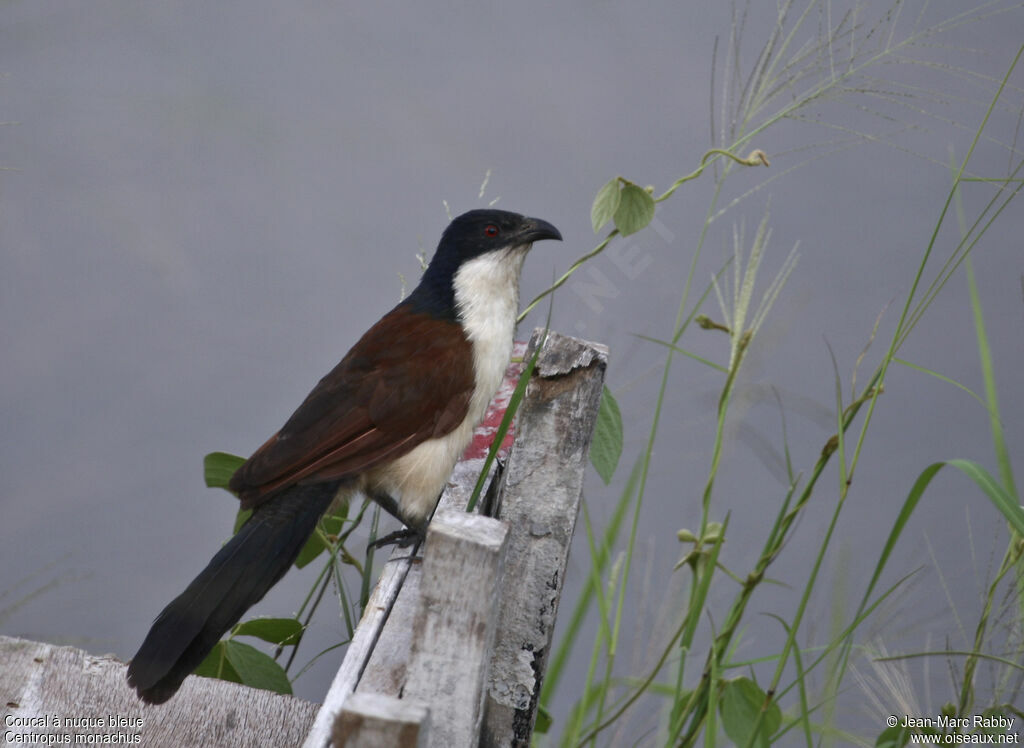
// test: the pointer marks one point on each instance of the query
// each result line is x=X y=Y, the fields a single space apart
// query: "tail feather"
x=235 y=579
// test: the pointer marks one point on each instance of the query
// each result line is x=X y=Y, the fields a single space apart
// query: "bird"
x=388 y=422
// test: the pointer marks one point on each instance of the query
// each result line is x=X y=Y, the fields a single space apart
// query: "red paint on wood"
x=484 y=434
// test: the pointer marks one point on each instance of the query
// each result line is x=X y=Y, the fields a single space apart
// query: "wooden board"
x=539 y=501
x=64 y=692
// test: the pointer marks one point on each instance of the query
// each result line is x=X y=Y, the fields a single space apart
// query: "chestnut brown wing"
x=408 y=379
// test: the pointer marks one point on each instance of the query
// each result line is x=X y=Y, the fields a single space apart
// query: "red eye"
x=491 y=230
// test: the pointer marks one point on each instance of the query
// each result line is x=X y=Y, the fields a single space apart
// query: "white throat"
x=487 y=303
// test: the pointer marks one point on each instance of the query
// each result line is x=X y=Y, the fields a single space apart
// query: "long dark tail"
x=235 y=579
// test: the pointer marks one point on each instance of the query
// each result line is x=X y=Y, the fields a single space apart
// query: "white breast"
x=487 y=302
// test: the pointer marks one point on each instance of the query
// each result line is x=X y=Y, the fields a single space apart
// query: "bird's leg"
x=403 y=538
x=387 y=502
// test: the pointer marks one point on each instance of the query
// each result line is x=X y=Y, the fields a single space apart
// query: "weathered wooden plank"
x=64 y=692
x=453 y=633
x=386 y=670
x=374 y=720
x=539 y=502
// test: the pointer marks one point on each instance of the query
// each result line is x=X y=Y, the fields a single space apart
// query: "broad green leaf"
x=606 y=448
x=544 y=720
x=740 y=707
x=605 y=205
x=256 y=669
x=216 y=665
x=218 y=467
x=240 y=519
x=635 y=211
x=899 y=736
x=313 y=548
x=331 y=524
x=893 y=737
x=273 y=630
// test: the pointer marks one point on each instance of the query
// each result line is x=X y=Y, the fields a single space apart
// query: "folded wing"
x=408 y=379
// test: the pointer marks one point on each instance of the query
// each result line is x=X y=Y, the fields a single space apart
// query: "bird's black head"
x=467 y=237
x=486 y=230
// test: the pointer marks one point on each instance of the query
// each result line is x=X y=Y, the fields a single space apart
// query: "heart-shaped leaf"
x=605 y=205
x=635 y=211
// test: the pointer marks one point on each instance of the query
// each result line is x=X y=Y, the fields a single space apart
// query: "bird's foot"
x=400 y=538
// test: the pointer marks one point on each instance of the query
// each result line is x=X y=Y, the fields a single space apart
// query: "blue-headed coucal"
x=389 y=421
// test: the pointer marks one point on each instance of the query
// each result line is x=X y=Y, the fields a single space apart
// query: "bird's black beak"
x=535 y=229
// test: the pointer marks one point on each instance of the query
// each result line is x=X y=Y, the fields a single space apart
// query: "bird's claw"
x=403 y=538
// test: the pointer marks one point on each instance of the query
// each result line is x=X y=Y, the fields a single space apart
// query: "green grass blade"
x=1007 y=505
x=506 y=421
x=942 y=377
x=988 y=372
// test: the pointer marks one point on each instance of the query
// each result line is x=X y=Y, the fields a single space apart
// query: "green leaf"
x=544 y=720
x=899 y=736
x=740 y=707
x=313 y=548
x=893 y=737
x=332 y=525
x=606 y=448
x=635 y=211
x=218 y=467
x=605 y=204
x=256 y=669
x=240 y=519
x=273 y=630
x=216 y=665
x=334 y=522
